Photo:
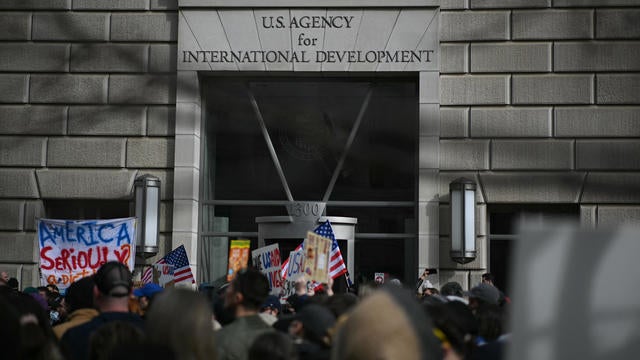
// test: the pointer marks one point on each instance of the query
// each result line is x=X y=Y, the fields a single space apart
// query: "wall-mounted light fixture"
x=147 y=198
x=462 y=193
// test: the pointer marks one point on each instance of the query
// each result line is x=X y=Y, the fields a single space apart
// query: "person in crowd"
x=10 y=341
x=387 y=324
x=453 y=291
x=488 y=278
x=79 y=303
x=270 y=309
x=310 y=328
x=244 y=295
x=113 y=285
x=37 y=340
x=339 y=304
x=4 y=278
x=490 y=330
x=13 y=284
x=145 y=296
x=113 y=336
x=182 y=320
x=273 y=346
x=483 y=294
x=455 y=327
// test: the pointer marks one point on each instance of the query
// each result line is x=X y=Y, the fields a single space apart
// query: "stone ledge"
x=532 y=187
x=85 y=184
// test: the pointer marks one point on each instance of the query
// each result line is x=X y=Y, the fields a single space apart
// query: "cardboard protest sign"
x=73 y=249
x=316 y=257
x=378 y=278
x=163 y=274
x=267 y=260
x=238 y=257
x=294 y=272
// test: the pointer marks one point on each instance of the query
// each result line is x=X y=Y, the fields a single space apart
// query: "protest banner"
x=294 y=272
x=316 y=257
x=238 y=257
x=378 y=278
x=73 y=249
x=267 y=260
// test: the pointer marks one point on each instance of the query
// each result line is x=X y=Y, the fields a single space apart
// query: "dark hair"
x=273 y=346
x=80 y=294
x=451 y=288
x=455 y=320
x=489 y=318
x=13 y=283
x=339 y=304
x=253 y=286
x=111 y=336
x=488 y=277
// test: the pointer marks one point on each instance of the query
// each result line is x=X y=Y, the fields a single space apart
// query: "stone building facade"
x=537 y=101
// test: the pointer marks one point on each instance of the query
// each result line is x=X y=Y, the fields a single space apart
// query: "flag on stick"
x=182 y=270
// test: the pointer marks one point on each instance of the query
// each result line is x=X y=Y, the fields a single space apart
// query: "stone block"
x=34 y=57
x=509 y=4
x=511 y=122
x=162 y=58
x=187 y=186
x=111 y=5
x=608 y=154
x=144 y=27
x=610 y=187
x=163 y=4
x=445 y=178
x=429 y=119
x=476 y=25
x=18 y=183
x=601 y=121
x=15 y=26
x=166 y=216
x=107 y=120
x=188 y=119
x=187 y=151
x=464 y=154
x=454 y=4
x=66 y=26
x=596 y=56
x=33 y=120
x=68 y=89
x=86 y=152
x=142 y=89
x=454 y=122
x=588 y=216
x=22 y=150
x=445 y=220
x=532 y=154
x=18 y=247
x=532 y=187
x=474 y=90
x=593 y=3
x=33 y=210
x=428 y=152
x=511 y=57
x=35 y=4
x=150 y=153
x=109 y=58
x=85 y=183
x=428 y=253
x=429 y=87
x=428 y=185
x=618 y=89
x=166 y=182
x=552 y=89
x=161 y=121
x=617 y=23
x=479 y=263
x=454 y=58
x=552 y=24
x=614 y=216
x=185 y=215
x=11 y=215
x=461 y=277
x=428 y=213
x=14 y=88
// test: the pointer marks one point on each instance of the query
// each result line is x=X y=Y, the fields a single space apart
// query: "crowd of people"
x=103 y=317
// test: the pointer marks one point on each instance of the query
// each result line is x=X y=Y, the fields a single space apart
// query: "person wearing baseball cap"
x=113 y=285
x=483 y=294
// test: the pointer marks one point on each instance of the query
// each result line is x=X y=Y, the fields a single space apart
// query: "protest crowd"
x=103 y=317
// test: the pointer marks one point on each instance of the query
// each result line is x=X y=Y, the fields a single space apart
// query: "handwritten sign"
x=294 y=272
x=238 y=257
x=163 y=274
x=316 y=257
x=73 y=249
x=267 y=260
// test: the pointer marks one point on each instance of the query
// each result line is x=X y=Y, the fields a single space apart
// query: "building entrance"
x=348 y=143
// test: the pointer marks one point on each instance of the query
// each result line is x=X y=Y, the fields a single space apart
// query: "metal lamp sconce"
x=147 y=203
x=462 y=193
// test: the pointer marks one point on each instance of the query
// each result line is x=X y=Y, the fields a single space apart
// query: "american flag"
x=177 y=258
x=337 y=266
